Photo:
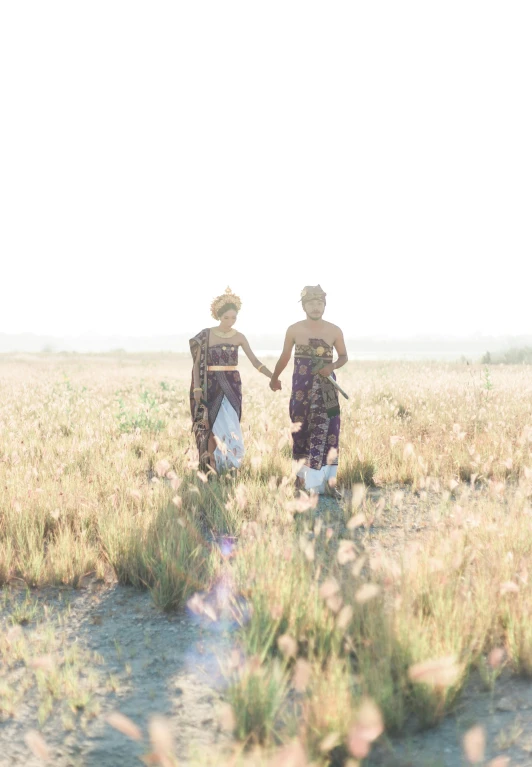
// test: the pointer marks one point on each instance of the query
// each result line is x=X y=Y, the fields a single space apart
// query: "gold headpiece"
x=226 y=298
x=312 y=291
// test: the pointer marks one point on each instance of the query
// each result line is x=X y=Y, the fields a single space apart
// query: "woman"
x=216 y=390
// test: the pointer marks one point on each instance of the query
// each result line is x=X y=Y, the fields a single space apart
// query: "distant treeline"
x=516 y=356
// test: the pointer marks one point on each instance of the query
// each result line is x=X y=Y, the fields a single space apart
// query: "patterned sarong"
x=314 y=405
x=219 y=384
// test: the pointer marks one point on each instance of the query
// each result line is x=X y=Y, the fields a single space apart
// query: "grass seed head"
x=329 y=588
x=43 y=663
x=37 y=745
x=346 y=552
x=287 y=645
x=358 y=494
x=330 y=741
x=358 y=565
x=408 y=451
x=509 y=587
x=366 y=592
x=334 y=603
x=241 y=497
x=474 y=744
x=199 y=606
x=302 y=674
x=367 y=726
x=358 y=520
x=344 y=617
x=161 y=467
x=439 y=673
x=161 y=739
x=124 y=725
x=496 y=657
x=227 y=718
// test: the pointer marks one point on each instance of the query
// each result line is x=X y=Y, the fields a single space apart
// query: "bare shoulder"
x=292 y=330
x=335 y=330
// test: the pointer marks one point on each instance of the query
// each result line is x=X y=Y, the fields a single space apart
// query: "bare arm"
x=341 y=350
x=251 y=357
x=284 y=359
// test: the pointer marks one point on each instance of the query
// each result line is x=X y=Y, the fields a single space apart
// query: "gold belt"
x=224 y=368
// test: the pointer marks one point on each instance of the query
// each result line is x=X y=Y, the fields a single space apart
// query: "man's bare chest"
x=305 y=337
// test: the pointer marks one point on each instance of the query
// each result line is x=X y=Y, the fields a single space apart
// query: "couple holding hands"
x=216 y=390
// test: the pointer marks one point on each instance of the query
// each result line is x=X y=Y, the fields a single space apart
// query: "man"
x=314 y=406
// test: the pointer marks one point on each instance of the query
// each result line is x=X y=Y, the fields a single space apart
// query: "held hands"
x=197 y=397
x=326 y=370
x=275 y=384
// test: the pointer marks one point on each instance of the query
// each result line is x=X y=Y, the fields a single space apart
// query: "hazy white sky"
x=152 y=153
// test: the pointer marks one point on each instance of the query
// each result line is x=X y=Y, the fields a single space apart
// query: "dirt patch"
x=505 y=715
x=146 y=664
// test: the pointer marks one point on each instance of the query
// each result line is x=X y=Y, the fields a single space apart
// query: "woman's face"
x=228 y=319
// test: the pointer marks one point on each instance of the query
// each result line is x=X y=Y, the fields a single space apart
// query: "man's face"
x=315 y=308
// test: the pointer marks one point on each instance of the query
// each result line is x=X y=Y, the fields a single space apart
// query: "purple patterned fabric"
x=219 y=383
x=314 y=405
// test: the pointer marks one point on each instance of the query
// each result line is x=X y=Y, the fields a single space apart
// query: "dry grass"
x=39 y=664
x=98 y=476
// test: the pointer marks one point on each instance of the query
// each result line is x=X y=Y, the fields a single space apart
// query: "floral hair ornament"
x=313 y=291
x=226 y=298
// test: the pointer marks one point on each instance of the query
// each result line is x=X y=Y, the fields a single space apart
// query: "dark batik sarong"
x=219 y=383
x=314 y=404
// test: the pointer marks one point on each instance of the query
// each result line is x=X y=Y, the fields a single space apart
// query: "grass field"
x=343 y=639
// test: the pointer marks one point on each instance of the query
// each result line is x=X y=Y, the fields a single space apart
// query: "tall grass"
x=407 y=630
x=98 y=474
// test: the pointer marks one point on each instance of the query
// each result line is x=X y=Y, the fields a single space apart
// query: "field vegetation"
x=517 y=355
x=342 y=640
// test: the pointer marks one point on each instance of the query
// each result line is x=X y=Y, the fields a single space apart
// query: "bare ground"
x=147 y=664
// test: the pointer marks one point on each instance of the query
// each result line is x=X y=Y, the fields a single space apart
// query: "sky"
x=153 y=153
